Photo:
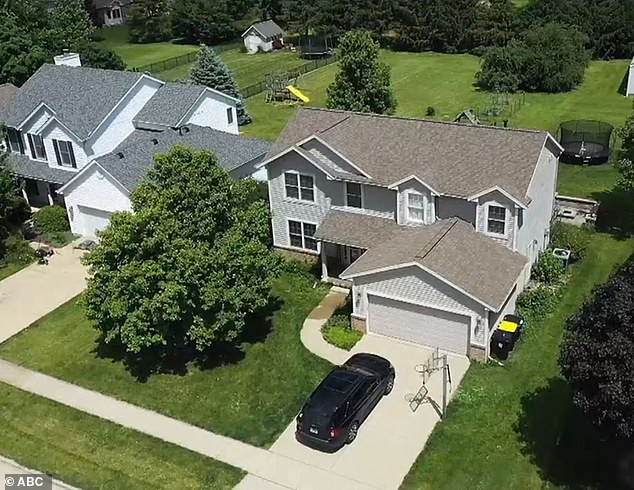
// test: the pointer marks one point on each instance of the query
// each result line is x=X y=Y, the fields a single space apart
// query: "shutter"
x=32 y=146
x=20 y=142
x=72 y=155
x=56 y=147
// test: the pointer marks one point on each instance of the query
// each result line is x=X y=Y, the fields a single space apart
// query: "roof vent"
x=120 y=155
x=183 y=130
x=68 y=59
x=155 y=141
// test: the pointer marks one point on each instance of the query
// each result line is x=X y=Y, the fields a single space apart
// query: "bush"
x=18 y=250
x=58 y=239
x=538 y=301
x=338 y=332
x=548 y=269
x=51 y=219
x=570 y=237
x=431 y=111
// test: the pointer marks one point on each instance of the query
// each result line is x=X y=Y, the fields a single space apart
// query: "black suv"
x=332 y=415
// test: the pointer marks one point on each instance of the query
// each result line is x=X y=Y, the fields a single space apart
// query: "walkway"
x=9 y=467
x=36 y=290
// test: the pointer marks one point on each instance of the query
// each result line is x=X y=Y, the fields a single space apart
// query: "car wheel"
x=389 y=386
x=352 y=432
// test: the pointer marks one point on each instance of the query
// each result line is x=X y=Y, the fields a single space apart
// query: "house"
x=629 y=90
x=263 y=36
x=84 y=137
x=111 y=12
x=433 y=225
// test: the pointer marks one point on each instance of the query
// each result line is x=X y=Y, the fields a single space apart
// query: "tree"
x=70 y=25
x=206 y=21
x=21 y=52
x=497 y=24
x=149 y=21
x=96 y=56
x=189 y=267
x=14 y=210
x=210 y=70
x=625 y=162
x=597 y=356
x=363 y=82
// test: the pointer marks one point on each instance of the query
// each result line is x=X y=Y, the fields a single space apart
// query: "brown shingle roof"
x=450 y=248
x=455 y=159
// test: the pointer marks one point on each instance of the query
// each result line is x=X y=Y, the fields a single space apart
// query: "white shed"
x=263 y=36
x=629 y=91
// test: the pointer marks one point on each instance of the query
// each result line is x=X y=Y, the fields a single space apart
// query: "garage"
x=92 y=220
x=418 y=324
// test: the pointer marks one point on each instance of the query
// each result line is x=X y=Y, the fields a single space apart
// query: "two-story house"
x=433 y=225
x=84 y=137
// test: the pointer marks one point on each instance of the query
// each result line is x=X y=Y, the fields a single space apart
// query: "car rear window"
x=340 y=381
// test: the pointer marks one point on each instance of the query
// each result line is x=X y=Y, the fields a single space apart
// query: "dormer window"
x=353 y=195
x=16 y=144
x=38 y=151
x=64 y=153
x=496 y=222
x=415 y=207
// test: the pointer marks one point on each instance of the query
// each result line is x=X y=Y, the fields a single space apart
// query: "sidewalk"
x=36 y=290
x=10 y=467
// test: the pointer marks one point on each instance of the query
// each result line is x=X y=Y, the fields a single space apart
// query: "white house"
x=111 y=12
x=263 y=36
x=433 y=225
x=84 y=137
x=629 y=91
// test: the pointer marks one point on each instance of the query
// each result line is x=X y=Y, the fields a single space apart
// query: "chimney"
x=68 y=59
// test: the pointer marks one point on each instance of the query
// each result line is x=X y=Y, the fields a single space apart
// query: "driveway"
x=393 y=435
x=36 y=290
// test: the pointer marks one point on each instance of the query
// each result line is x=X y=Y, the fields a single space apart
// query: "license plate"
x=500 y=345
x=313 y=430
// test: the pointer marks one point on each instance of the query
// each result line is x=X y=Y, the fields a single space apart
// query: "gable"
x=95 y=188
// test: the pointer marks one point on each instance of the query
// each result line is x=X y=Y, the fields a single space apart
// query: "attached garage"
x=92 y=220
x=418 y=324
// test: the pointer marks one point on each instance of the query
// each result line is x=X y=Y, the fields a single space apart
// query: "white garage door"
x=93 y=220
x=418 y=324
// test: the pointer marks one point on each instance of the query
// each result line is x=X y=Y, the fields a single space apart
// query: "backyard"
x=249 y=393
x=91 y=453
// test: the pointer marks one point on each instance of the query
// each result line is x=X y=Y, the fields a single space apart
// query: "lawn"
x=10 y=268
x=92 y=453
x=252 y=396
x=513 y=426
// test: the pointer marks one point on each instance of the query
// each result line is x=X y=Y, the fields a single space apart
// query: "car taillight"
x=335 y=432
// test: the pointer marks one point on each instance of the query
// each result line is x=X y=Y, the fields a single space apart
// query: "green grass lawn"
x=92 y=453
x=513 y=427
x=10 y=268
x=251 y=398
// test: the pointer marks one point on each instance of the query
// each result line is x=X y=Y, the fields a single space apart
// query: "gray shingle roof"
x=25 y=167
x=450 y=248
x=7 y=92
x=455 y=159
x=169 y=104
x=139 y=149
x=268 y=29
x=81 y=97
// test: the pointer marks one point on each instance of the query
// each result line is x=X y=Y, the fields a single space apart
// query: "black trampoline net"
x=585 y=141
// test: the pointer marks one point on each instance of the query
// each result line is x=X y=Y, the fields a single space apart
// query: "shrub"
x=431 y=111
x=51 y=219
x=538 y=301
x=18 y=250
x=58 y=239
x=338 y=332
x=548 y=269
x=572 y=238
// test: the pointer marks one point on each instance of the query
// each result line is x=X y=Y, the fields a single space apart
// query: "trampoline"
x=315 y=47
x=588 y=142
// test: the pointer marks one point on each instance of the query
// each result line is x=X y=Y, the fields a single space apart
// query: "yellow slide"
x=297 y=93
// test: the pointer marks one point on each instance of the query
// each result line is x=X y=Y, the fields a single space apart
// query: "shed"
x=629 y=91
x=263 y=36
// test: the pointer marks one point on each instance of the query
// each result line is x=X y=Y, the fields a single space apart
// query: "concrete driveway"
x=393 y=435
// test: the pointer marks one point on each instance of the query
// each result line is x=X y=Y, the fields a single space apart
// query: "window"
x=64 y=153
x=116 y=14
x=353 y=195
x=229 y=115
x=496 y=222
x=301 y=235
x=16 y=144
x=299 y=186
x=38 y=152
x=31 y=188
x=355 y=253
x=415 y=207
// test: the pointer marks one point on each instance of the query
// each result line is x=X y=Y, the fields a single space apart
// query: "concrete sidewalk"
x=10 y=467
x=263 y=465
x=36 y=290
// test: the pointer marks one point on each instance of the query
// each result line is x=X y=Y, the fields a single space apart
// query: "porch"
x=39 y=193
x=335 y=258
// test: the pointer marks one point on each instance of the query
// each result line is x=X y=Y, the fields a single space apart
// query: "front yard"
x=91 y=453
x=514 y=426
x=250 y=395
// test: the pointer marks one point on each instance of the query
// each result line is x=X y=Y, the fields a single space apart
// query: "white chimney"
x=68 y=59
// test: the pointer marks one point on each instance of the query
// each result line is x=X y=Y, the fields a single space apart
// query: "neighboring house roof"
x=456 y=159
x=102 y=4
x=450 y=249
x=139 y=149
x=23 y=166
x=7 y=92
x=267 y=29
x=81 y=97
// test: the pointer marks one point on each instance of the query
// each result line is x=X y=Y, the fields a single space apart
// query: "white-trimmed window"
x=116 y=13
x=354 y=197
x=64 y=153
x=415 y=206
x=15 y=140
x=301 y=235
x=496 y=220
x=38 y=152
x=299 y=186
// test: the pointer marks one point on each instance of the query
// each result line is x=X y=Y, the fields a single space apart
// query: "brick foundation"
x=358 y=323
x=477 y=353
x=298 y=255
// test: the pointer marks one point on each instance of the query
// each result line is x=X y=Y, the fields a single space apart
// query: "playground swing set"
x=282 y=87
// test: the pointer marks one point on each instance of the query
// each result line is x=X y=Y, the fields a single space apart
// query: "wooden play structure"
x=282 y=87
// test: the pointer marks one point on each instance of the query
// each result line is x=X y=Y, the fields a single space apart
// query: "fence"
x=182 y=59
x=259 y=87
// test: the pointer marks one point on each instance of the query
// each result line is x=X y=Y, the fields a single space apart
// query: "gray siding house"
x=434 y=226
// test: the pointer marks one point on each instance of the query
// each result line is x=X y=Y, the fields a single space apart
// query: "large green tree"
x=191 y=264
x=363 y=81
x=207 y=21
x=497 y=24
x=211 y=71
x=70 y=25
x=14 y=210
x=625 y=161
x=149 y=21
